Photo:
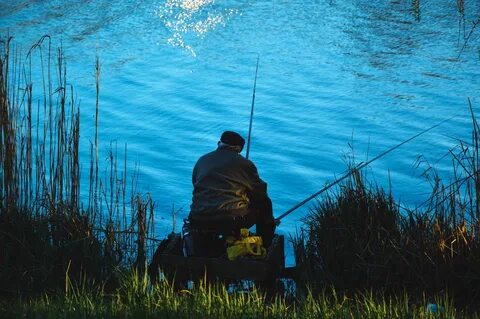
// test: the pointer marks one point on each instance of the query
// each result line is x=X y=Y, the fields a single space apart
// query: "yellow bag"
x=246 y=245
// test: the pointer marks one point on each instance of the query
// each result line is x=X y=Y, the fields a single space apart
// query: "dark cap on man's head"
x=232 y=138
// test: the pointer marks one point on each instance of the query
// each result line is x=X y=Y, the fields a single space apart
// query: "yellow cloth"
x=246 y=245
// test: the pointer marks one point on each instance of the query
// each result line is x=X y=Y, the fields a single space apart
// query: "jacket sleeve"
x=256 y=187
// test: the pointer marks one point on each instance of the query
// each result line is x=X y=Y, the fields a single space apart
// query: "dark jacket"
x=224 y=184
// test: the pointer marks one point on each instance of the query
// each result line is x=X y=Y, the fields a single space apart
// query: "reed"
x=44 y=227
x=358 y=238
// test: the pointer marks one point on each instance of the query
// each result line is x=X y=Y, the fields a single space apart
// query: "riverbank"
x=63 y=257
x=137 y=298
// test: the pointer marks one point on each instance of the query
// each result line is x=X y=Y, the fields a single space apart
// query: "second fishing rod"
x=343 y=177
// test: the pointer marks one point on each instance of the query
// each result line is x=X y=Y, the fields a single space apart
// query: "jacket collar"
x=225 y=147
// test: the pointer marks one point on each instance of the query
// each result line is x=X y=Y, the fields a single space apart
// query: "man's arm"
x=256 y=187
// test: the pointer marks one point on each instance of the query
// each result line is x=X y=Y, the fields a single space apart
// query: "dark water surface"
x=176 y=73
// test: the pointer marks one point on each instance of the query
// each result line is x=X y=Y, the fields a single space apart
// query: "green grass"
x=136 y=297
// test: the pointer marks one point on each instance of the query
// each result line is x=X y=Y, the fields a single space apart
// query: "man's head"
x=232 y=140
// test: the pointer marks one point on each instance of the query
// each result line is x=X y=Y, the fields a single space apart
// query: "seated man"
x=228 y=195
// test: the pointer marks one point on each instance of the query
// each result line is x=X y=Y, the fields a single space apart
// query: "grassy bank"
x=137 y=298
x=61 y=257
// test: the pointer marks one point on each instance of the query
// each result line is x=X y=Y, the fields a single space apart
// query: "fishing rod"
x=251 y=111
x=358 y=167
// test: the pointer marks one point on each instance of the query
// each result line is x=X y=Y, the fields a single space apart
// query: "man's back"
x=224 y=184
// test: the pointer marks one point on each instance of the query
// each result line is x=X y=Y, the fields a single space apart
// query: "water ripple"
x=332 y=75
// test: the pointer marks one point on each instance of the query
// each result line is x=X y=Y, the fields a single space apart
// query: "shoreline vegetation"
x=360 y=254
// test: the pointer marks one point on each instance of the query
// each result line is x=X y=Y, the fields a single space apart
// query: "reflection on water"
x=184 y=18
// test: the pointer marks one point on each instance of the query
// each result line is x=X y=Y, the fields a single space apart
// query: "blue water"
x=332 y=74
